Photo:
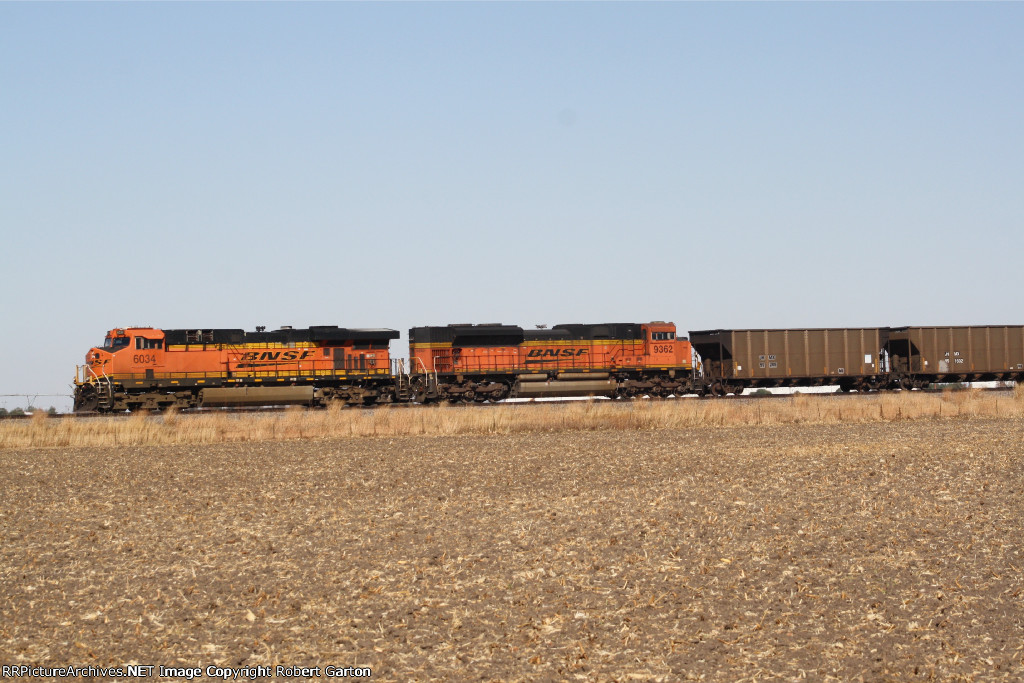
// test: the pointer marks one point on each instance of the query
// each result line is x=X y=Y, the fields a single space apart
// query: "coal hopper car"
x=919 y=356
x=734 y=360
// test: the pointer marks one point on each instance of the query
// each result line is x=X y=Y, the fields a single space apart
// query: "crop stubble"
x=872 y=551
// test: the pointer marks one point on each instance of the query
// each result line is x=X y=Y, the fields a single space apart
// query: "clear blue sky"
x=392 y=164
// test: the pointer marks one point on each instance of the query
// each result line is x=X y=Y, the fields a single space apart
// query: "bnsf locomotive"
x=146 y=368
x=493 y=362
x=152 y=369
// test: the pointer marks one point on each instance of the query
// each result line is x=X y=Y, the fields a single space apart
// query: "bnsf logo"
x=275 y=355
x=555 y=353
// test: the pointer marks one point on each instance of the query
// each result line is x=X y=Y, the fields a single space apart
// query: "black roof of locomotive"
x=491 y=334
x=315 y=333
x=592 y=332
x=513 y=335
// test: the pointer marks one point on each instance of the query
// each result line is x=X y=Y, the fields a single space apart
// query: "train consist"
x=145 y=368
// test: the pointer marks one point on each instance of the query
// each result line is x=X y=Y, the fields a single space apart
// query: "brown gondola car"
x=149 y=368
x=922 y=355
x=492 y=362
x=733 y=360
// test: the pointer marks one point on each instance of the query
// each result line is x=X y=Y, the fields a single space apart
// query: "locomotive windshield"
x=115 y=343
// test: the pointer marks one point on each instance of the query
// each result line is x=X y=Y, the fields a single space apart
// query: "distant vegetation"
x=30 y=410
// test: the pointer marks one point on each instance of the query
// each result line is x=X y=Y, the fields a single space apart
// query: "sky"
x=733 y=165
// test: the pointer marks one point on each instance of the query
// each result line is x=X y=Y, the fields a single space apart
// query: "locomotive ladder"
x=403 y=388
x=105 y=392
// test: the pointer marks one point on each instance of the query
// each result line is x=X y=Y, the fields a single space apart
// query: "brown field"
x=867 y=547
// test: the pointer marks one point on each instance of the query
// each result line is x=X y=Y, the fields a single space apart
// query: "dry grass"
x=173 y=428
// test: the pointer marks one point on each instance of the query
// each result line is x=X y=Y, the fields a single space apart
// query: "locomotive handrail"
x=426 y=372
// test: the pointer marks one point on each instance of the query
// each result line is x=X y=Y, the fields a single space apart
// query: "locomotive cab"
x=663 y=348
x=98 y=360
x=126 y=351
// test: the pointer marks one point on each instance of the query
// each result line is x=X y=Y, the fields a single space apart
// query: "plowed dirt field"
x=843 y=552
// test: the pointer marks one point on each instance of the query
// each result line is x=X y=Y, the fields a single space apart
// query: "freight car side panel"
x=958 y=350
x=789 y=354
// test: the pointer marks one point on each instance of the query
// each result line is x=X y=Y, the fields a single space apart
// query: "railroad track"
x=519 y=402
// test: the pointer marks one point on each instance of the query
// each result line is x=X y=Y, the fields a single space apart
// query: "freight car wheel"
x=717 y=390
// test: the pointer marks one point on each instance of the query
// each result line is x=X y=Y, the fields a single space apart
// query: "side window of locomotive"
x=143 y=343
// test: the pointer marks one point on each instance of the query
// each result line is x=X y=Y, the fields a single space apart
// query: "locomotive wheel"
x=86 y=400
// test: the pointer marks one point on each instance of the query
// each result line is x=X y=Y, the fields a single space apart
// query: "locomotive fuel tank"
x=256 y=396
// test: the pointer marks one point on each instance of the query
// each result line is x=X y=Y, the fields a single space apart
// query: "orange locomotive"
x=492 y=362
x=148 y=368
